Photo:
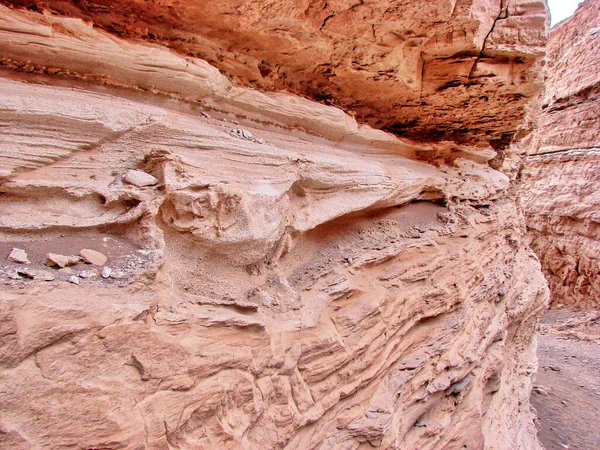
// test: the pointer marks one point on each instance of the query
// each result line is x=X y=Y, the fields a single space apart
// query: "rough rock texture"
x=457 y=70
x=562 y=177
x=275 y=289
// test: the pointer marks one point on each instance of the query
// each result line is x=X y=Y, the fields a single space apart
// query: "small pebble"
x=242 y=134
x=139 y=178
x=88 y=274
x=106 y=271
x=74 y=280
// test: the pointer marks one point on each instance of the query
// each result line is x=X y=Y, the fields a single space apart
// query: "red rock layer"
x=457 y=70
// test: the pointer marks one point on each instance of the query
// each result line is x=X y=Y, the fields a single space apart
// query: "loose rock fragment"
x=140 y=179
x=106 y=271
x=89 y=273
x=18 y=255
x=54 y=259
x=74 y=279
x=245 y=134
x=93 y=257
x=242 y=134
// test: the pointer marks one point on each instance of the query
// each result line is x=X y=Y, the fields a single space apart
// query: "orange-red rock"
x=457 y=70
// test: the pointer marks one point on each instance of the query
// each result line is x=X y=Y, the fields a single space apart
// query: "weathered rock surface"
x=562 y=177
x=321 y=290
x=457 y=70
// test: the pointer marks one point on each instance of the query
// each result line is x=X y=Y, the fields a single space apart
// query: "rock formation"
x=273 y=274
x=456 y=70
x=562 y=177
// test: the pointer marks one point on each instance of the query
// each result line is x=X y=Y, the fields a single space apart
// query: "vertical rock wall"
x=562 y=178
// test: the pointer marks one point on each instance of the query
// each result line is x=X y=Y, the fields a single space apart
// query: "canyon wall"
x=273 y=272
x=457 y=70
x=562 y=177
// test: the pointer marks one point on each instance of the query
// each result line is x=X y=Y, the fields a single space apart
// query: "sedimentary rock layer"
x=562 y=178
x=280 y=277
x=458 y=70
x=306 y=295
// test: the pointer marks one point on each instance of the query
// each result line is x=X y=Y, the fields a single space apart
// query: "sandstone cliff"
x=278 y=275
x=562 y=178
x=458 y=70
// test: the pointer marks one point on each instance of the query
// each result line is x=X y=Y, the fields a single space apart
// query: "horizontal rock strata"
x=456 y=70
x=283 y=278
x=562 y=178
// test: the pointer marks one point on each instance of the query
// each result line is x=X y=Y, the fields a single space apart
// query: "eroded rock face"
x=457 y=70
x=273 y=289
x=562 y=178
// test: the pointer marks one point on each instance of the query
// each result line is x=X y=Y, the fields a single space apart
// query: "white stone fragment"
x=139 y=178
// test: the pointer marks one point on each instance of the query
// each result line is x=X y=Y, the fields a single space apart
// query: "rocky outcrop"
x=562 y=177
x=456 y=70
x=272 y=273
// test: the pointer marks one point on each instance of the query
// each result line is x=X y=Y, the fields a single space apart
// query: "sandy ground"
x=567 y=390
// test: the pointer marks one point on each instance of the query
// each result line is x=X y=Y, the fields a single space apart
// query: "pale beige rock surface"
x=275 y=289
x=562 y=177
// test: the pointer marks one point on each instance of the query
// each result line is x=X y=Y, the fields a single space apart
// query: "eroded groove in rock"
x=562 y=178
x=291 y=281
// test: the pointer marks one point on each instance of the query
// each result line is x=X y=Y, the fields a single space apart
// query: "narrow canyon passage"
x=562 y=207
x=566 y=393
